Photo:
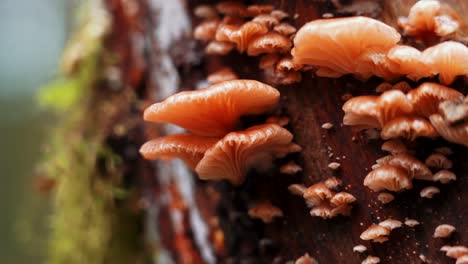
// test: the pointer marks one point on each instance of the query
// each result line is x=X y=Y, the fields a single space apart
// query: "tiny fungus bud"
x=443 y=231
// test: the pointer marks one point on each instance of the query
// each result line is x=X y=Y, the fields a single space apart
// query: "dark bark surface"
x=309 y=104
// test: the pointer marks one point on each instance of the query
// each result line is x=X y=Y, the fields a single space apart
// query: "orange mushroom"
x=449 y=59
x=457 y=133
x=454 y=111
x=214 y=111
x=219 y=48
x=232 y=8
x=339 y=46
x=385 y=197
x=285 y=29
x=390 y=223
x=290 y=168
x=406 y=60
x=265 y=211
x=408 y=127
x=394 y=146
x=426 y=98
x=443 y=231
x=254 y=10
x=371 y=260
x=241 y=35
x=206 y=30
x=414 y=167
x=190 y=148
x=317 y=193
x=444 y=176
x=429 y=192
x=205 y=12
x=267 y=20
x=438 y=161
x=455 y=251
x=271 y=42
x=389 y=178
x=376 y=233
x=232 y=156
x=430 y=17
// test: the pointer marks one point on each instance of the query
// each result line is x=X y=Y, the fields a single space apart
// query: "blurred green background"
x=33 y=34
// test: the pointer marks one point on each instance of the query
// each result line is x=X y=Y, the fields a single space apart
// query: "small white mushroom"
x=334 y=165
x=327 y=126
x=371 y=260
x=385 y=197
x=444 y=176
x=411 y=222
x=429 y=192
x=443 y=231
x=359 y=248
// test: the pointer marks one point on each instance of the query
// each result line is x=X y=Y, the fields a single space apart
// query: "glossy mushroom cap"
x=457 y=133
x=390 y=223
x=448 y=59
x=317 y=193
x=385 y=197
x=361 y=111
x=206 y=30
x=214 y=111
x=271 y=42
x=438 y=161
x=241 y=35
x=394 y=146
x=236 y=153
x=376 y=233
x=406 y=60
x=224 y=74
x=444 y=176
x=414 y=167
x=337 y=45
x=409 y=127
x=454 y=251
x=443 y=231
x=429 y=192
x=187 y=147
x=219 y=47
x=389 y=178
x=427 y=97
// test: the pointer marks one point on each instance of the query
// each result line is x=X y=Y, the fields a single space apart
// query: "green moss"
x=86 y=224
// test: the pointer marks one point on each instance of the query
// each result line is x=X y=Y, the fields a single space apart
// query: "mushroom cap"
x=361 y=111
x=449 y=59
x=241 y=35
x=411 y=222
x=290 y=168
x=297 y=189
x=414 y=167
x=285 y=29
x=280 y=15
x=371 y=260
x=375 y=232
x=390 y=224
x=332 y=183
x=457 y=133
x=389 y=178
x=338 y=44
x=406 y=60
x=322 y=210
x=429 y=192
x=392 y=104
x=409 y=127
x=224 y=74
x=438 y=161
x=187 y=147
x=385 y=197
x=342 y=198
x=271 y=42
x=359 y=248
x=454 y=111
x=232 y=156
x=287 y=64
x=462 y=259
x=394 y=146
x=232 y=8
x=317 y=193
x=265 y=211
x=455 y=251
x=426 y=98
x=254 y=10
x=443 y=231
x=206 y=30
x=219 y=48
x=267 y=20
x=268 y=61
x=214 y=111
x=444 y=176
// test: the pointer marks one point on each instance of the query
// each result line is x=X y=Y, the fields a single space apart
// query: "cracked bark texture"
x=193 y=221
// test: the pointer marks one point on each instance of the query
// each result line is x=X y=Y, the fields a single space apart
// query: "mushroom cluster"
x=256 y=30
x=430 y=18
x=401 y=115
x=215 y=148
x=451 y=120
x=460 y=253
x=396 y=171
x=380 y=232
x=323 y=198
x=365 y=47
x=265 y=211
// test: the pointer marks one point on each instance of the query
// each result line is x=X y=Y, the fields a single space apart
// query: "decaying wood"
x=193 y=221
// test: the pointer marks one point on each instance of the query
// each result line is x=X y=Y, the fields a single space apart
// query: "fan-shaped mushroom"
x=406 y=60
x=457 y=133
x=241 y=35
x=254 y=10
x=267 y=20
x=426 y=98
x=290 y=168
x=409 y=127
x=390 y=224
x=389 y=178
x=411 y=222
x=444 y=176
x=430 y=17
x=285 y=29
x=342 y=198
x=190 y=148
x=454 y=251
x=385 y=197
x=271 y=42
x=219 y=47
x=394 y=146
x=340 y=45
x=376 y=233
x=232 y=156
x=297 y=189
x=438 y=161
x=265 y=211
x=454 y=111
x=414 y=167
x=443 y=231
x=214 y=111
x=206 y=30
x=449 y=59
x=317 y=193
x=232 y=8
x=371 y=260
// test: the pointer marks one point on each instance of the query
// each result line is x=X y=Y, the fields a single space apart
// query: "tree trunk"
x=188 y=220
